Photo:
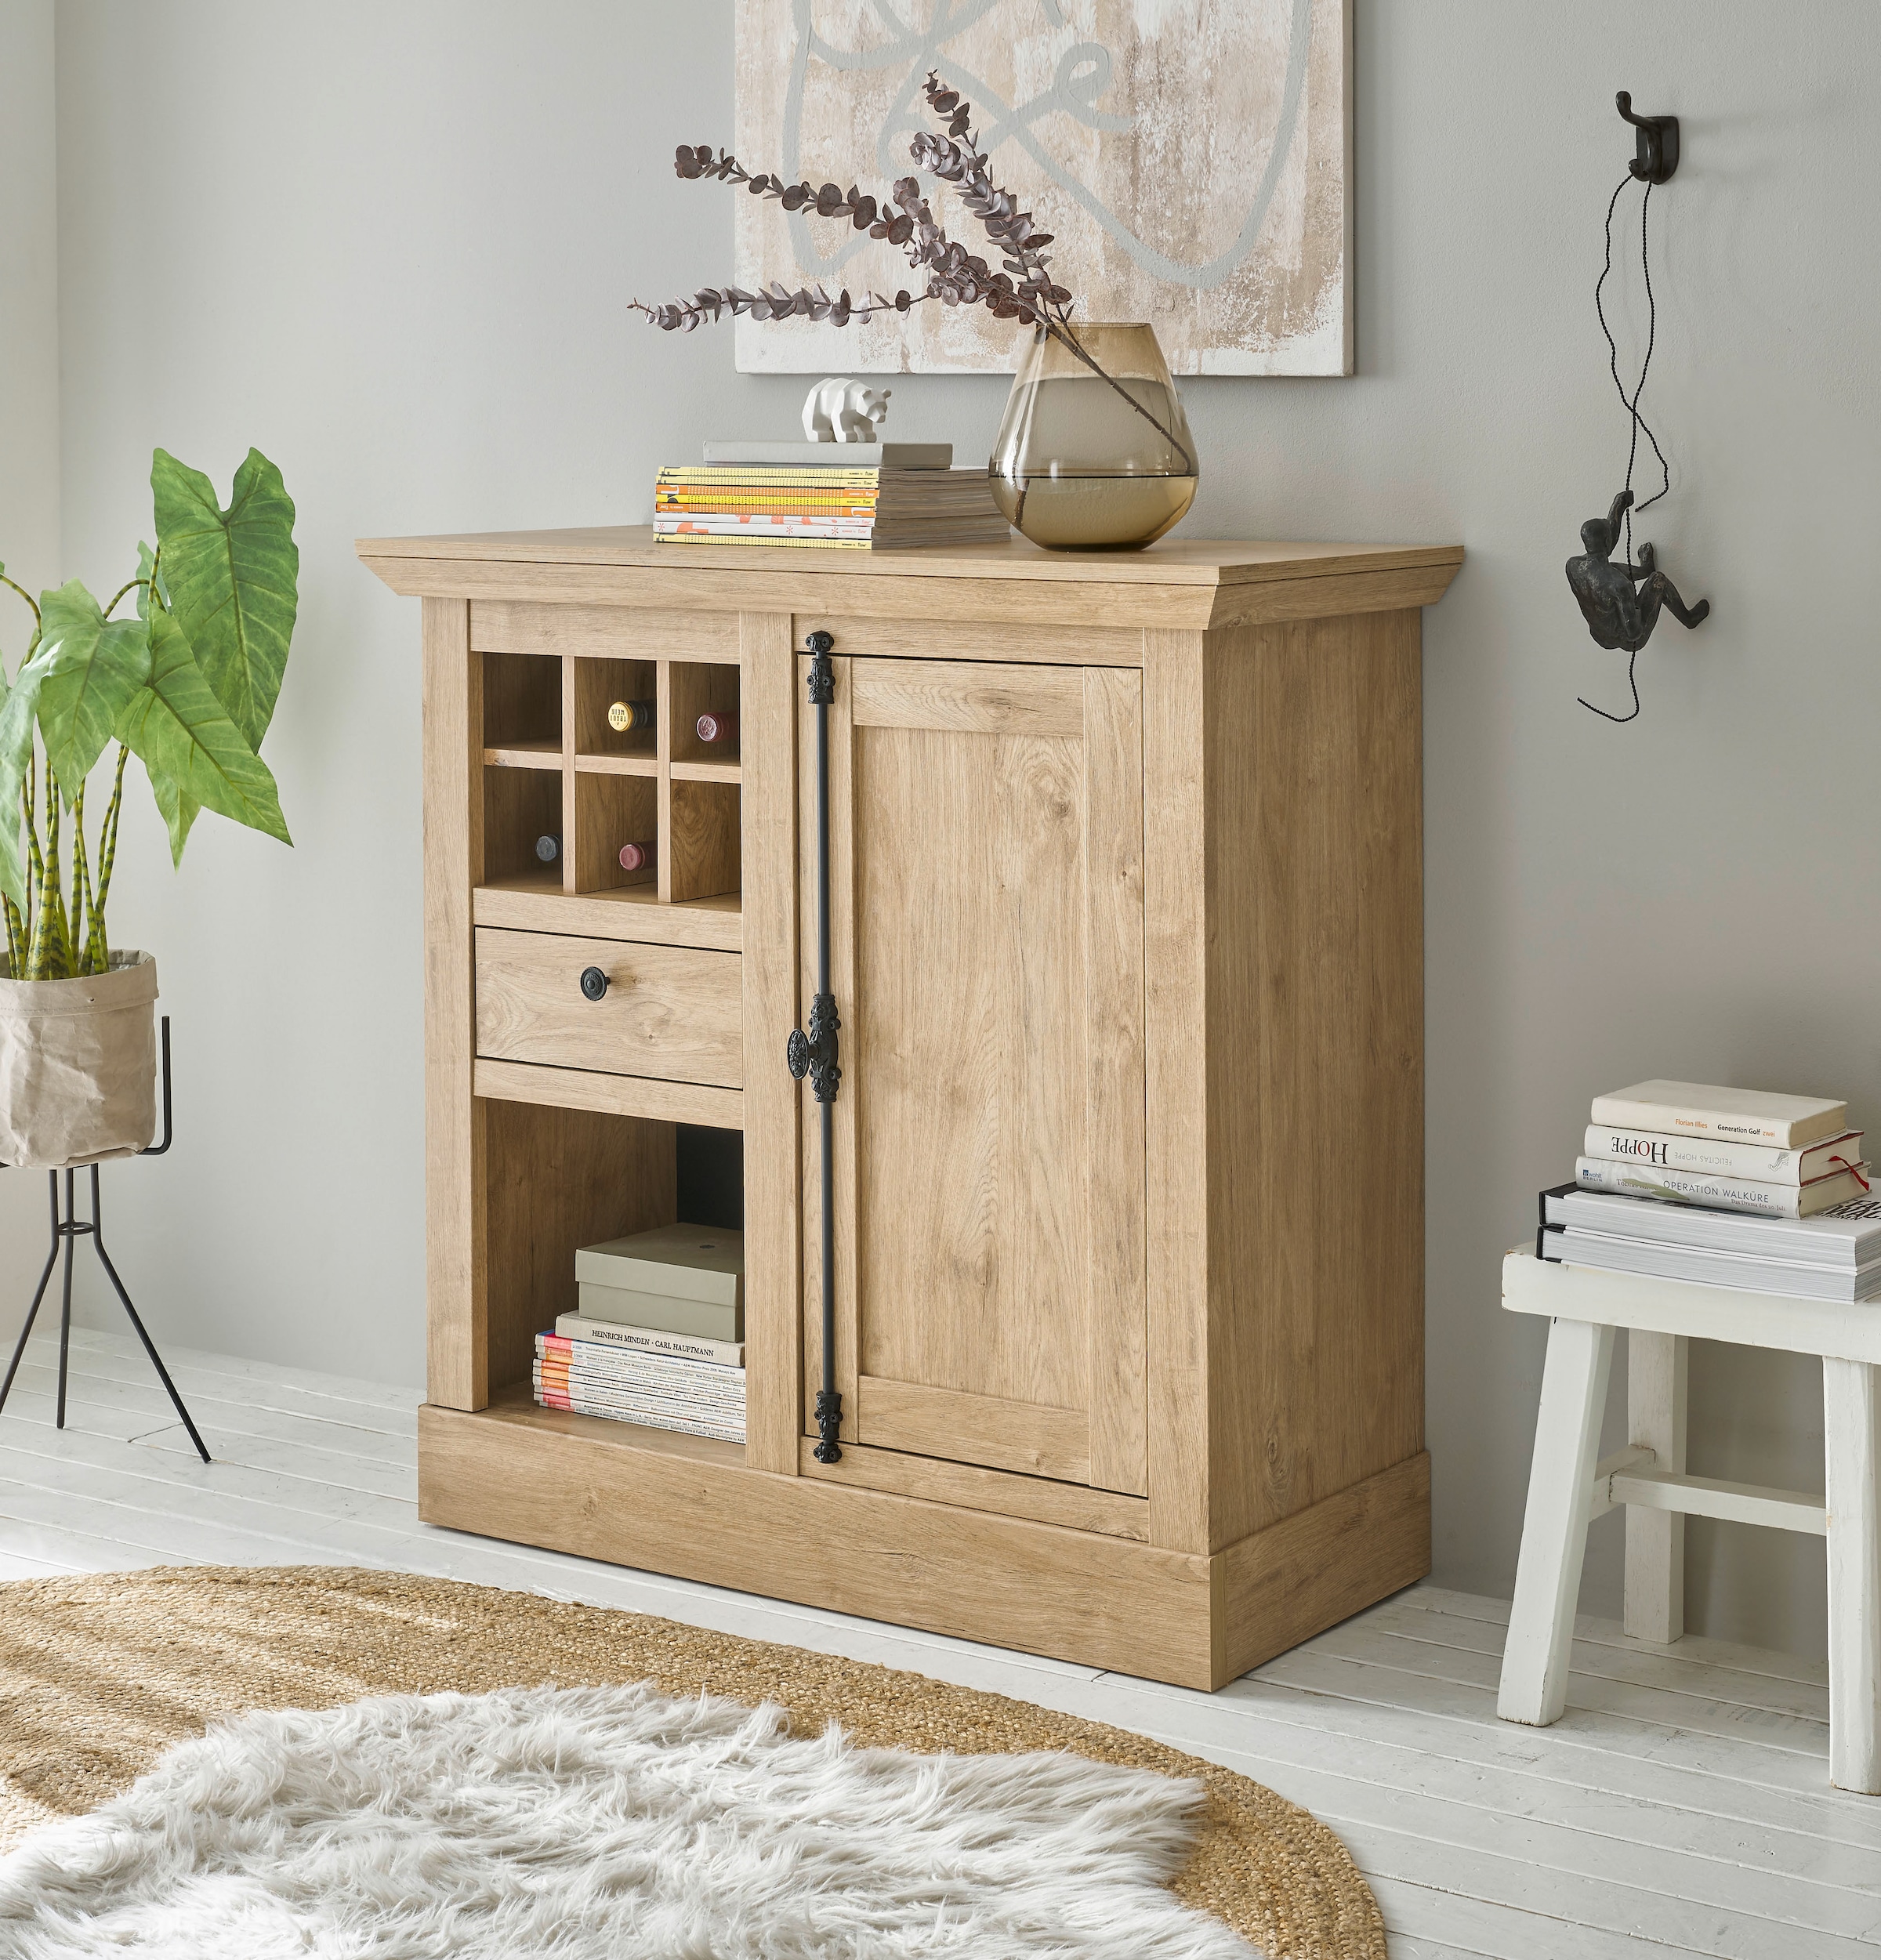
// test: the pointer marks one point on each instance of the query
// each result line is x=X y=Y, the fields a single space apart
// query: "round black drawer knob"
x=594 y=982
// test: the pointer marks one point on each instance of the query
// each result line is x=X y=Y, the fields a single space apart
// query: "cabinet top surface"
x=1174 y=561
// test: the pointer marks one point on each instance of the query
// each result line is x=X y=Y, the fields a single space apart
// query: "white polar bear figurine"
x=840 y=410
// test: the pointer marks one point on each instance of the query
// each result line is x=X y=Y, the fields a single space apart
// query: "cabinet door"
x=986 y=960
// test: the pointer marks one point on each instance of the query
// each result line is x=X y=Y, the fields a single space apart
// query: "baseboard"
x=1281 y=1585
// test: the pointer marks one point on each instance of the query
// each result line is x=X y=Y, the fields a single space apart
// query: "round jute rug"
x=99 y=1675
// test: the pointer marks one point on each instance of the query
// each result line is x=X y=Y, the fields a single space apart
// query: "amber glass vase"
x=1094 y=454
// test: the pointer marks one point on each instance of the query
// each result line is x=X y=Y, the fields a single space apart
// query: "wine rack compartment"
x=523 y=711
x=521 y=807
x=616 y=708
x=702 y=832
x=704 y=714
x=610 y=774
x=615 y=814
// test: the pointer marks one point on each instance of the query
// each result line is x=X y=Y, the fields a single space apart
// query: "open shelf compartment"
x=559 y=1179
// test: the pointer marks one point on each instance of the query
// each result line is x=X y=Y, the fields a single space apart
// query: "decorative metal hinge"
x=816 y=1054
x=822 y=674
x=829 y=1426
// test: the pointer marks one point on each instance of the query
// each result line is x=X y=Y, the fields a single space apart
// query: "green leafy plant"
x=187 y=685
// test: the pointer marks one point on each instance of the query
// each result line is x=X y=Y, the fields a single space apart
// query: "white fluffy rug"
x=604 y=1823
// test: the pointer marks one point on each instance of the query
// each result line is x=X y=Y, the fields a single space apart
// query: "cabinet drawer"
x=668 y=1011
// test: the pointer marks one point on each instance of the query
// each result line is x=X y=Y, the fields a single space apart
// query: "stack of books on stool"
x=659 y=1338
x=1723 y=1186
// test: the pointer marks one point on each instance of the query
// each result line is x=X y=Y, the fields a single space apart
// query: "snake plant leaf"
x=16 y=719
x=96 y=667
x=179 y=731
x=232 y=579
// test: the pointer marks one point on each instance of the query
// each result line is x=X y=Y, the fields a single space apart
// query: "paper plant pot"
x=78 y=1065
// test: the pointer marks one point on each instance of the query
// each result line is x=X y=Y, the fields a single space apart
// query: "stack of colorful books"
x=659 y=1337
x=1730 y=1187
x=825 y=505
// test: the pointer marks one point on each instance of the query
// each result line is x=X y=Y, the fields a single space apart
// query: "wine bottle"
x=548 y=848
x=624 y=715
x=719 y=725
x=637 y=857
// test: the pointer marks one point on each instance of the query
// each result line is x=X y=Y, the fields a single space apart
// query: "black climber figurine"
x=1617 y=615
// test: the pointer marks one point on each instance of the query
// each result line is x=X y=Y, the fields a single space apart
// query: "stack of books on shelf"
x=826 y=496
x=1723 y=1186
x=659 y=1336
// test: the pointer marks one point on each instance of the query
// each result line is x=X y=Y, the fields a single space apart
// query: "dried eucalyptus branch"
x=1022 y=288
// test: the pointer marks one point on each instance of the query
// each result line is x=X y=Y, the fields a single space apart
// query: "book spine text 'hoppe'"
x=1721 y=1158
x=1715 y=1194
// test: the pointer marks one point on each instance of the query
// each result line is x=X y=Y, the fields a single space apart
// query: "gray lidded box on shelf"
x=678 y=1279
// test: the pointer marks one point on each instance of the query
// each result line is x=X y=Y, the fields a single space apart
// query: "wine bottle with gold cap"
x=624 y=715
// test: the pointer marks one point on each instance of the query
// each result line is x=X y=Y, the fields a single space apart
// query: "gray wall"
x=391 y=244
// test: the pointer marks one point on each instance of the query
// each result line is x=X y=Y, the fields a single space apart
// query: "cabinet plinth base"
x=675 y=1505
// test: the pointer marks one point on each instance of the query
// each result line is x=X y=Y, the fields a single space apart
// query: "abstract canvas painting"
x=1190 y=158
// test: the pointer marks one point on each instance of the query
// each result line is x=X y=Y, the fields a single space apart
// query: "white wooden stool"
x=1568 y=1489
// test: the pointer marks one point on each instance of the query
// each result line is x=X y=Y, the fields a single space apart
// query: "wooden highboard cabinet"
x=1126 y=1195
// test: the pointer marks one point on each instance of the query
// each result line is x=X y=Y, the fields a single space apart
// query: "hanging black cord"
x=1631 y=404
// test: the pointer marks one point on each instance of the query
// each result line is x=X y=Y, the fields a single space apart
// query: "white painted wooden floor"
x=1682 y=1806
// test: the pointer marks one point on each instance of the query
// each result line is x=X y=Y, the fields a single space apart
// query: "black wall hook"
x=1659 y=156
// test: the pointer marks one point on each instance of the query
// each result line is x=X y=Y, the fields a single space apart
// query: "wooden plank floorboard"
x=287 y=1398
x=1680 y=1807
x=1694 y=1647
x=1631 y=1912
x=375 y=1395
x=1827 y=1837
x=1500 y=1932
x=93 y=1397
x=1781 y=1873
x=1691 y=1713
x=1664 y=1886
x=35 y=1456
x=1405 y=1946
x=1673 y=1673
x=27 y=1422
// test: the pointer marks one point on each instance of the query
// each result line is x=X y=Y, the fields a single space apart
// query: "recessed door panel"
x=988 y=966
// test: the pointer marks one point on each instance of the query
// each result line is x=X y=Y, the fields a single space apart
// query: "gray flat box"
x=677 y=1262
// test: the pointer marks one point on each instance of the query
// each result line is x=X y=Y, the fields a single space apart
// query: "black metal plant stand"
x=67 y=1231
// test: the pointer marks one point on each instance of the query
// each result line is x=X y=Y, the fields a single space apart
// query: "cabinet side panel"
x=1315 y=1059
x=456 y=1373
x=1176 y=1092
x=772 y=1202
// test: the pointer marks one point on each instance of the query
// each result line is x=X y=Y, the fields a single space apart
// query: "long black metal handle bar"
x=815 y=1053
